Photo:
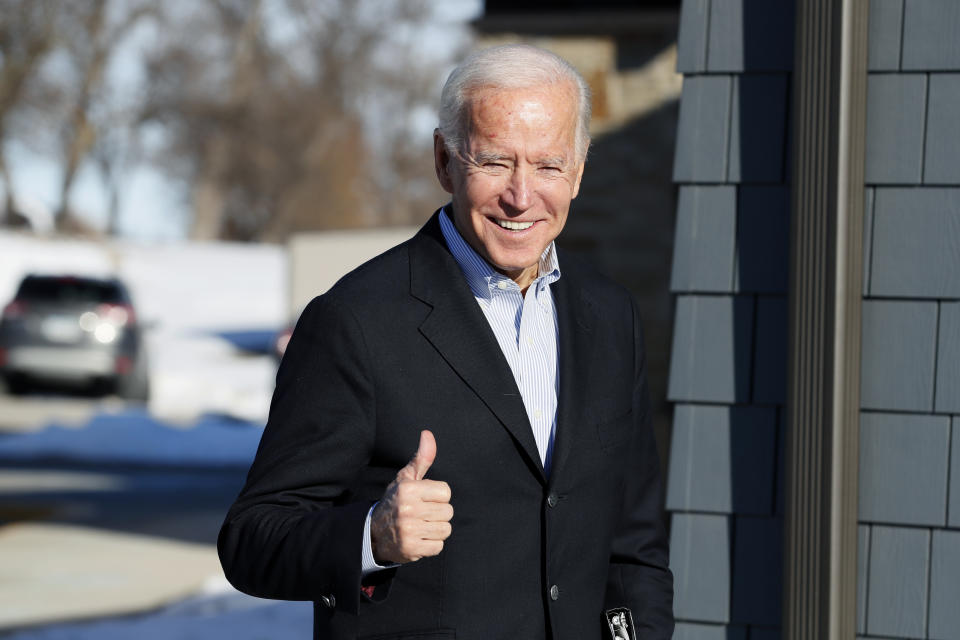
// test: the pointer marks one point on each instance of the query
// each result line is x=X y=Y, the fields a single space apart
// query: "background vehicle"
x=73 y=331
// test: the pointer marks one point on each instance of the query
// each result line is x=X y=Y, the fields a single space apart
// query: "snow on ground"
x=189 y=294
x=135 y=437
x=218 y=612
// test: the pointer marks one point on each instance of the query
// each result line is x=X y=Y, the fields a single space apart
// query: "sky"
x=154 y=208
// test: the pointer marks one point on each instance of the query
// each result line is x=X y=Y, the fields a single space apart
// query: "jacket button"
x=552 y=499
x=554 y=592
x=329 y=601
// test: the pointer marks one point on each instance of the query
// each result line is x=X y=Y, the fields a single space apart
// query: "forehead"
x=542 y=115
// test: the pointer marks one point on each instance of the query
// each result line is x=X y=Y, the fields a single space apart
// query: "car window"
x=69 y=290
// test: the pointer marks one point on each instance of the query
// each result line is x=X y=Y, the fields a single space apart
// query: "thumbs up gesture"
x=412 y=519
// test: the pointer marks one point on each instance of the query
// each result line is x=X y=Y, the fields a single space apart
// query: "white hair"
x=509 y=66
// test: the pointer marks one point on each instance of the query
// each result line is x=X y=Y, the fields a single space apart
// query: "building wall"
x=728 y=360
x=909 y=563
x=728 y=363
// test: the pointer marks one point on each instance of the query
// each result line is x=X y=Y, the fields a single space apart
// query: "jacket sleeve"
x=292 y=533
x=639 y=575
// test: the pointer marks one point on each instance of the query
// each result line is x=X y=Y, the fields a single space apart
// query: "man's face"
x=513 y=184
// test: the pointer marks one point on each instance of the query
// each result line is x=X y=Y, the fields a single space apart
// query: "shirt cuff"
x=367 y=563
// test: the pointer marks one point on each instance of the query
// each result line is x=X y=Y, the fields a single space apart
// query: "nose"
x=517 y=194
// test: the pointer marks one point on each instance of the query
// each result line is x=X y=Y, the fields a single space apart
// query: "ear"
x=441 y=161
x=576 y=182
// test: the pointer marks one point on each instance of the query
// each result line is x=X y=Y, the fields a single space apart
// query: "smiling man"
x=531 y=507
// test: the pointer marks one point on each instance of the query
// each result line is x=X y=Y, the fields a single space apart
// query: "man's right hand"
x=413 y=518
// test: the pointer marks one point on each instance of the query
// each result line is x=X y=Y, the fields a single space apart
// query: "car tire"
x=135 y=386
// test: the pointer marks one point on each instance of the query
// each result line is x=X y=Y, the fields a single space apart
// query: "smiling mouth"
x=513 y=226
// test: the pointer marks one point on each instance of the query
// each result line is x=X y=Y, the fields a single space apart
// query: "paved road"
x=80 y=540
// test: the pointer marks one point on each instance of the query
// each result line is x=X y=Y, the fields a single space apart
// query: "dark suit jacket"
x=400 y=345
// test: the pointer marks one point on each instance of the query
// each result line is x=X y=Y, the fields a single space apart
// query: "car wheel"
x=134 y=386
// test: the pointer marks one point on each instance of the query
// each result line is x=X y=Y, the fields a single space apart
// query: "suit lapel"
x=458 y=330
x=576 y=316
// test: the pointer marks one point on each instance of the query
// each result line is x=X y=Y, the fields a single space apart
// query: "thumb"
x=420 y=462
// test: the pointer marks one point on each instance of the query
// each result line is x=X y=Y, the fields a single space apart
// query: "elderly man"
x=532 y=504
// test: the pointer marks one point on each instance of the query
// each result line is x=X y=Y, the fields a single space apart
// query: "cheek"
x=481 y=190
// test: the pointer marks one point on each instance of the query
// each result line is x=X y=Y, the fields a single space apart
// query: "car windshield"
x=69 y=290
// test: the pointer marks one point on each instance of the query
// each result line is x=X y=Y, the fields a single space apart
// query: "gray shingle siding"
x=703 y=130
x=770 y=43
x=763 y=239
x=730 y=269
x=898 y=347
x=916 y=243
x=757 y=123
x=884 y=34
x=896 y=107
x=705 y=239
x=903 y=468
x=706 y=365
x=730 y=330
x=942 y=156
x=693 y=631
x=930 y=30
x=721 y=459
x=701 y=571
x=692 y=36
x=954 y=507
x=756 y=571
x=948 y=360
x=899 y=561
x=945 y=585
x=863 y=559
x=868 y=200
x=770 y=355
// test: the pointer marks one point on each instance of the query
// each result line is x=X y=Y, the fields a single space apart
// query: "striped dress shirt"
x=525 y=327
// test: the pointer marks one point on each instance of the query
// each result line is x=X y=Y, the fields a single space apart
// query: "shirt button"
x=537 y=413
x=554 y=592
x=529 y=341
x=552 y=499
x=502 y=285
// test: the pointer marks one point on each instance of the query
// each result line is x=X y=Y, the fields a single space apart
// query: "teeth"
x=514 y=226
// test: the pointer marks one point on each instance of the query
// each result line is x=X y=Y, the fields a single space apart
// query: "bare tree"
x=27 y=34
x=269 y=107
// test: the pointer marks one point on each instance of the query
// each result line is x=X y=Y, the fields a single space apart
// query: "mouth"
x=510 y=225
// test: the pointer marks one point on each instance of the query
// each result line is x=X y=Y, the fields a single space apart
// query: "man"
x=532 y=503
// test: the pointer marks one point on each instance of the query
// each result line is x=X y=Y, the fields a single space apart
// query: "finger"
x=431 y=548
x=426 y=454
x=436 y=531
x=434 y=491
x=420 y=462
x=436 y=512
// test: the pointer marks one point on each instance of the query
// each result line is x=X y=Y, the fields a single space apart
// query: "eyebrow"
x=482 y=157
x=558 y=160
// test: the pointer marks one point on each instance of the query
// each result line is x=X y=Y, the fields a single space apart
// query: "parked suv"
x=73 y=330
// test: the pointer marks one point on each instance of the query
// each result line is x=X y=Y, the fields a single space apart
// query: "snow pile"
x=134 y=437
x=216 y=613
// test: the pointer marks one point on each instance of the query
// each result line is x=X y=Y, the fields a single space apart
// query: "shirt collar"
x=484 y=280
